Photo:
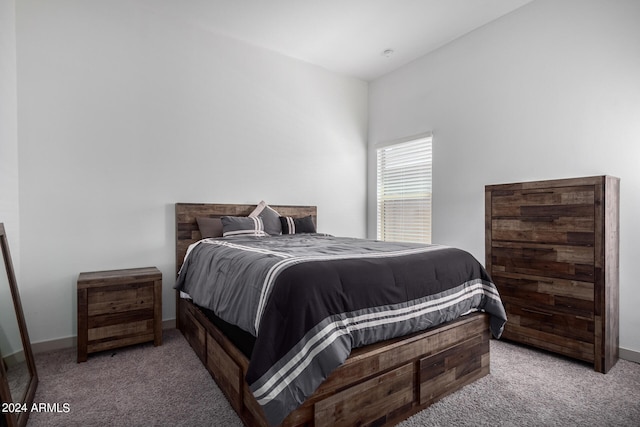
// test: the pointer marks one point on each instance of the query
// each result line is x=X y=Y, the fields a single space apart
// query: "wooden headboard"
x=187 y=231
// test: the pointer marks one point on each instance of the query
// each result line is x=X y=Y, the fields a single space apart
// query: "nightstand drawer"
x=118 y=308
x=122 y=299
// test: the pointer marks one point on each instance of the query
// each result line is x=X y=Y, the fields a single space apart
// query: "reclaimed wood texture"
x=552 y=251
x=187 y=231
x=118 y=308
x=380 y=384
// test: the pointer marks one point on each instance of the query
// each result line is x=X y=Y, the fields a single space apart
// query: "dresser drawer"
x=554 y=287
x=563 y=215
x=545 y=320
x=532 y=294
x=576 y=201
x=553 y=230
x=552 y=261
x=120 y=299
x=566 y=334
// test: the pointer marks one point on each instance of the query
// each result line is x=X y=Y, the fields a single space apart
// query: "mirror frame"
x=17 y=419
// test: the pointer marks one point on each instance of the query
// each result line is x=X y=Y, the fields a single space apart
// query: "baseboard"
x=53 y=345
x=71 y=342
x=630 y=355
x=169 y=324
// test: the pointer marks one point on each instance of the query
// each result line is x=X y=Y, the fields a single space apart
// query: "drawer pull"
x=539 y=251
x=527 y=193
x=538 y=219
x=528 y=310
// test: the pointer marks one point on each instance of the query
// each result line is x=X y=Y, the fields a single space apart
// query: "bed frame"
x=380 y=384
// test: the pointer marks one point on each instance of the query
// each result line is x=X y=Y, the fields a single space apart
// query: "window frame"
x=414 y=190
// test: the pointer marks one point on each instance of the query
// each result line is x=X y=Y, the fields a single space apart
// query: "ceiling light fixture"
x=387 y=52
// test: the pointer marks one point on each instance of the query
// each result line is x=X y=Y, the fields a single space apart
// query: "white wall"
x=9 y=196
x=549 y=91
x=124 y=109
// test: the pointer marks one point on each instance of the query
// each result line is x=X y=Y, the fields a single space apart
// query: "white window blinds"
x=404 y=191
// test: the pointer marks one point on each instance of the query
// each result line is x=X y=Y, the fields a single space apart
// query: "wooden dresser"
x=552 y=251
x=118 y=308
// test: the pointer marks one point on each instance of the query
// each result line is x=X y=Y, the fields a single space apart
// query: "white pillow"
x=270 y=218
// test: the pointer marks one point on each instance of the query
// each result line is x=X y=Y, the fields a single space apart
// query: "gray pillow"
x=210 y=227
x=242 y=226
x=270 y=218
x=297 y=225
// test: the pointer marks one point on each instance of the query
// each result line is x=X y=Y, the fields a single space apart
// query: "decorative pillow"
x=297 y=225
x=210 y=227
x=270 y=218
x=242 y=225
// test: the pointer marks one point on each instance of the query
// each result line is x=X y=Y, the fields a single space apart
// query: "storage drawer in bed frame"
x=379 y=384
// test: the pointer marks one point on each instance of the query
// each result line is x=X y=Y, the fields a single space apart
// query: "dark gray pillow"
x=210 y=227
x=297 y=225
x=242 y=226
x=270 y=218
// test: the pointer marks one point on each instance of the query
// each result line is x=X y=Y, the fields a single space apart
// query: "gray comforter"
x=309 y=299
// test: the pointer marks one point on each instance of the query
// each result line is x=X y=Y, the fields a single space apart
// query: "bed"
x=378 y=382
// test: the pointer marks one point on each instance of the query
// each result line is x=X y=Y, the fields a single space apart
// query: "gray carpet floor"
x=168 y=386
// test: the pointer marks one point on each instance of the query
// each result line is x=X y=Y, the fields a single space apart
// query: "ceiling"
x=347 y=36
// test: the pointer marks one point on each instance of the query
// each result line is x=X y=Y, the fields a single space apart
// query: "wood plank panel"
x=448 y=370
x=611 y=299
x=253 y=415
x=562 y=215
x=122 y=329
x=192 y=329
x=187 y=231
x=565 y=327
x=157 y=312
x=368 y=401
x=83 y=320
x=574 y=231
x=118 y=318
x=122 y=341
x=223 y=366
x=544 y=251
x=545 y=285
x=541 y=267
x=116 y=277
x=552 y=251
x=118 y=307
x=390 y=354
x=570 y=201
x=528 y=294
x=552 y=342
x=133 y=298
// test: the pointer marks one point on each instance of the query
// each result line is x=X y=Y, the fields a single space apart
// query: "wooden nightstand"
x=118 y=308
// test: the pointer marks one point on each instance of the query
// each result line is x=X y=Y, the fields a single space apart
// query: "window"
x=404 y=190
